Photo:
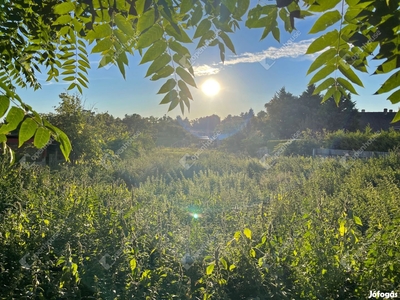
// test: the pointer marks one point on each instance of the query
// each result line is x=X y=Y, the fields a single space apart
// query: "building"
x=49 y=155
x=378 y=120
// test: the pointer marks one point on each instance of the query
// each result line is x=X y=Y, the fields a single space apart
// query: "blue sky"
x=245 y=83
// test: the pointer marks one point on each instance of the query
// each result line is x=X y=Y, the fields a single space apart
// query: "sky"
x=248 y=79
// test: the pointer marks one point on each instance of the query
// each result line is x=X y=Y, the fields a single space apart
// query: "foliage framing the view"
x=55 y=34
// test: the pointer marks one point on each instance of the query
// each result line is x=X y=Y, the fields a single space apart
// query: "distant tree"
x=288 y=114
x=206 y=124
x=76 y=122
x=283 y=110
x=135 y=122
x=328 y=115
x=53 y=36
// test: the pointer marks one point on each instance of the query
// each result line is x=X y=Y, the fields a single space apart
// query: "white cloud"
x=205 y=70
x=288 y=49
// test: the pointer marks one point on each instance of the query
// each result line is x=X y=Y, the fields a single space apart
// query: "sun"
x=211 y=87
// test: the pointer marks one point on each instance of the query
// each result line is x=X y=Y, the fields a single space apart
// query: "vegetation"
x=133 y=217
x=224 y=229
x=145 y=212
x=57 y=35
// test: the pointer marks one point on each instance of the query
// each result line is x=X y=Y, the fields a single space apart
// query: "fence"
x=359 y=154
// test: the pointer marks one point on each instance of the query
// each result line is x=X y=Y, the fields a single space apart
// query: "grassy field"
x=226 y=228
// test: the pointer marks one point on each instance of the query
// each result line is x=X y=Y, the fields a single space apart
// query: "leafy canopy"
x=54 y=36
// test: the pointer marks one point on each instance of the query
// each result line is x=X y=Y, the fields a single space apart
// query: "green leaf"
x=69 y=78
x=269 y=25
x=158 y=64
x=164 y=72
x=241 y=9
x=167 y=86
x=182 y=36
x=102 y=45
x=349 y=73
x=305 y=13
x=196 y=15
x=394 y=98
x=224 y=263
x=132 y=264
x=42 y=137
x=14 y=117
x=328 y=94
x=183 y=87
x=342 y=228
x=390 y=84
x=210 y=269
x=82 y=82
x=171 y=96
x=174 y=103
x=276 y=33
x=139 y=5
x=64 y=19
x=102 y=31
x=230 y=5
x=4 y=104
x=6 y=89
x=237 y=235
x=324 y=85
x=389 y=65
x=347 y=85
x=185 y=6
x=207 y=39
x=124 y=25
x=68 y=72
x=150 y=36
x=327 y=19
x=121 y=68
x=146 y=20
x=252 y=253
x=323 y=73
x=154 y=51
x=221 y=47
x=186 y=76
x=185 y=100
x=227 y=41
x=62 y=138
x=336 y=96
x=396 y=118
x=64 y=8
x=247 y=233
x=231 y=267
x=322 y=59
x=357 y=220
x=27 y=130
x=178 y=48
x=203 y=27
x=182 y=60
x=323 y=41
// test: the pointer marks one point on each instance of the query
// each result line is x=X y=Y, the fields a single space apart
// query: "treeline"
x=323 y=125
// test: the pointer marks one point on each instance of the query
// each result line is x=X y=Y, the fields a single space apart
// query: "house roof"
x=378 y=120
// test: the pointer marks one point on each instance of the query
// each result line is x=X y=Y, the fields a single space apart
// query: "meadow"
x=226 y=228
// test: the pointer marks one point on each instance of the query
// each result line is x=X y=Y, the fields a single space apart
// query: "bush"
x=300 y=147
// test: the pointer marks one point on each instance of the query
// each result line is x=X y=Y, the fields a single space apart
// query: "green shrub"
x=303 y=229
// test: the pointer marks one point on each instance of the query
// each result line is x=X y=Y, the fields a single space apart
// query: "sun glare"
x=211 y=87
